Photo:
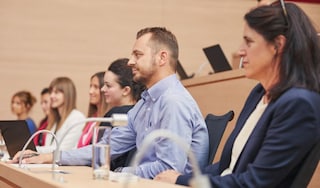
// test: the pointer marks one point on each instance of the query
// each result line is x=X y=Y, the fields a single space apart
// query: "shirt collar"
x=159 y=88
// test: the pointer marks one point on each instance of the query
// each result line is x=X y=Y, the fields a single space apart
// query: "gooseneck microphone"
x=31 y=139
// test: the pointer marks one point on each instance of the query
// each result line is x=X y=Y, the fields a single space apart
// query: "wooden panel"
x=43 y=39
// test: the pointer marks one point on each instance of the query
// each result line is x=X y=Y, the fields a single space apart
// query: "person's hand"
x=169 y=176
x=30 y=156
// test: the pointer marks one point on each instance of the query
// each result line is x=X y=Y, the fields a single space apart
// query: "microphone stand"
x=31 y=139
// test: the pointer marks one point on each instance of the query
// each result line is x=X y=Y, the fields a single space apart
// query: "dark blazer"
x=282 y=137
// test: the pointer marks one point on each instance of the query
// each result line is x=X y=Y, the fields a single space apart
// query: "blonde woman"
x=63 y=116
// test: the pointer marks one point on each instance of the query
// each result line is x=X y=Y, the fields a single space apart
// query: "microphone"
x=201 y=67
x=198 y=180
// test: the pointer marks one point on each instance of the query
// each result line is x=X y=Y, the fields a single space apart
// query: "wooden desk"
x=80 y=176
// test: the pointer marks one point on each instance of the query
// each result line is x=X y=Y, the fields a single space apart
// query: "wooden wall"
x=43 y=39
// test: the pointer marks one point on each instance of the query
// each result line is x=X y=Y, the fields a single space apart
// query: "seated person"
x=63 y=116
x=120 y=92
x=21 y=105
x=39 y=139
x=165 y=104
x=97 y=108
x=280 y=122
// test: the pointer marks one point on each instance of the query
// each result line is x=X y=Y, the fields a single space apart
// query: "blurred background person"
x=121 y=93
x=21 y=105
x=39 y=139
x=63 y=116
x=97 y=107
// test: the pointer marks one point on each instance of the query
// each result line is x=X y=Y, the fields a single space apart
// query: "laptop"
x=217 y=59
x=15 y=134
x=182 y=73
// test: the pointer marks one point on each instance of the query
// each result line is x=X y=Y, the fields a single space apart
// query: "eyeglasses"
x=284 y=10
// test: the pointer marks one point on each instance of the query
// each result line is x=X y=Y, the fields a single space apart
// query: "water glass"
x=101 y=152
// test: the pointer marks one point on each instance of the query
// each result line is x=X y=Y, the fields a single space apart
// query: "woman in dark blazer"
x=280 y=122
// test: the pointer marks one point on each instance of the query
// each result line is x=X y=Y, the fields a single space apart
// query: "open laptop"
x=182 y=73
x=217 y=59
x=15 y=134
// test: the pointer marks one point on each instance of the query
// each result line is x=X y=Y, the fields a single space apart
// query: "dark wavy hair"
x=300 y=60
x=125 y=77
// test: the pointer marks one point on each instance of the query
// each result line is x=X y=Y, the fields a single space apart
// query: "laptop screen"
x=15 y=134
x=217 y=59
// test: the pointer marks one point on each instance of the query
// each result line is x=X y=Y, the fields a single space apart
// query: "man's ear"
x=163 y=55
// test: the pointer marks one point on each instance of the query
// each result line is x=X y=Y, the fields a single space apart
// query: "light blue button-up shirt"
x=166 y=105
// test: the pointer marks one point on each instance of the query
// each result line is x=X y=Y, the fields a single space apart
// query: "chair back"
x=307 y=169
x=216 y=126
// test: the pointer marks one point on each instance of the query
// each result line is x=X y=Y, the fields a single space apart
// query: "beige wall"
x=43 y=39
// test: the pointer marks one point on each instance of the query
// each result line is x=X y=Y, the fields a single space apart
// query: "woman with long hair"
x=97 y=107
x=63 y=116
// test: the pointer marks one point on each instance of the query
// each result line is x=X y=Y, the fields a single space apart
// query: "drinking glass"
x=101 y=152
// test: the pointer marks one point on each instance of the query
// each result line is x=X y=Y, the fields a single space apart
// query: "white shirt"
x=71 y=128
x=244 y=134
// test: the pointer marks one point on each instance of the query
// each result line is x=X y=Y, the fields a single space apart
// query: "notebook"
x=15 y=134
x=217 y=59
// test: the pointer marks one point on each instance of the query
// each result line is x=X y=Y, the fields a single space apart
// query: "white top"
x=71 y=139
x=244 y=134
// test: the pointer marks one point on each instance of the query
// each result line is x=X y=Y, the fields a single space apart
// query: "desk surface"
x=79 y=176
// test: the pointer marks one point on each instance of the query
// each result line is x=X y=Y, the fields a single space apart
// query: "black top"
x=116 y=110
